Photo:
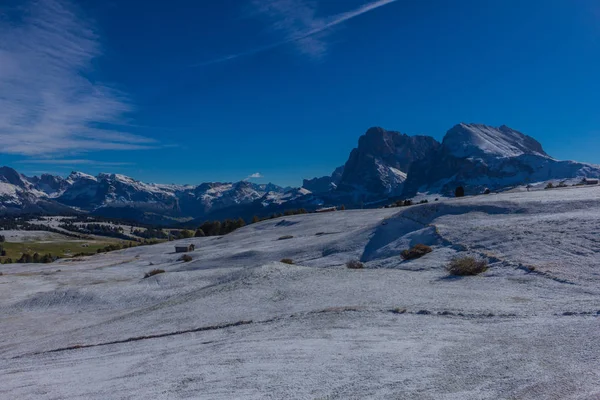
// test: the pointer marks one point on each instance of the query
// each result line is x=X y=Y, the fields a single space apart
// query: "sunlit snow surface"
x=236 y=324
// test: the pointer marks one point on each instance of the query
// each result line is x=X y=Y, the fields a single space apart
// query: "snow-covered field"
x=33 y=236
x=234 y=323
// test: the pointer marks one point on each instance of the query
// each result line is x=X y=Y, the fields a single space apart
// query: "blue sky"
x=193 y=91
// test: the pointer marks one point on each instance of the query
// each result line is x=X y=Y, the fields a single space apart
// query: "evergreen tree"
x=185 y=234
x=255 y=219
x=25 y=258
x=459 y=192
x=199 y=233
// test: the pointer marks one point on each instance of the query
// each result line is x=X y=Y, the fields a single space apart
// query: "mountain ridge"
x=385 y=164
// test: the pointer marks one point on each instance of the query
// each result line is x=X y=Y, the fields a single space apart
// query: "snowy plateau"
x=236 y=323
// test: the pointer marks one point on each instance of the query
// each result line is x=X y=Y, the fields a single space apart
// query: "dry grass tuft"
x=466 y=266
x=417 y=251
x=354 y=264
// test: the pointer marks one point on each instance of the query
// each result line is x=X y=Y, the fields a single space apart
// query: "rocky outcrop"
x=325 y=183
x=379 y=164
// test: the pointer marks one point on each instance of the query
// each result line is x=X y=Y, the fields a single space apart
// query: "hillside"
x=236 y=323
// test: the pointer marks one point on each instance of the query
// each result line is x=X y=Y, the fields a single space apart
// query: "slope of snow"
x=234 y=323
x=467 y=140
x=392 y=178
x=75 y=176
x=8 y=190
x=279 y=198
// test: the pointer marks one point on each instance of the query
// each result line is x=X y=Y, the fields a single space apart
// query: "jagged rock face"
x=52 y=185
x=380 y=162
x=10 y=176
x=19 y=194
x=325 y=183
x=478 y=156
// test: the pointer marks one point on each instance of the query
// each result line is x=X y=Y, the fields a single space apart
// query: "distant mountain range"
x=385 y=165
x=118 y=196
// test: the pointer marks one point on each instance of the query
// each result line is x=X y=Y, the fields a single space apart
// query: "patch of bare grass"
x=466 y=266
x=417 y=251
x=354 y=264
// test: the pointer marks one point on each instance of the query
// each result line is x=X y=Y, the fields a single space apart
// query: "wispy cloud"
x=48 y=102
x=68 y=162
x=256 y=175
x=298 y=21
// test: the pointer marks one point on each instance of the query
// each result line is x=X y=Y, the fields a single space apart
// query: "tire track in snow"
x=330 y=310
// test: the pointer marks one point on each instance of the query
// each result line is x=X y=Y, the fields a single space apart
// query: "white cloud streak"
x=256 y=175
x=48 y=102
x=68 y=162
x=297 y=20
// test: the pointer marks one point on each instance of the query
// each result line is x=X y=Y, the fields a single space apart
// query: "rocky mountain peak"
x=380 y=162
x=9 y=175
x=478 y=140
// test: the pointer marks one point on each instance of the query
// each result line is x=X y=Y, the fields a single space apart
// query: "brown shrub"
x=465 y=266
x=186 y=258
x=416 y=251
x=286 y=237
x=288 y=261
x=354 y=264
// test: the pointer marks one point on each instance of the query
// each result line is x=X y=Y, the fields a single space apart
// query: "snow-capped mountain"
x=120 y=196
x=477 y=140
x=478 y=156
x=91 y=193
x=385 y=164
x=210 y=197
x=20 y=194
x=378 y=166
x=279 y=198
x=51 y=185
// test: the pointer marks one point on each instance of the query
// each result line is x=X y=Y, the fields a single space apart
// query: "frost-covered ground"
x=32 y=236
x=236 y=324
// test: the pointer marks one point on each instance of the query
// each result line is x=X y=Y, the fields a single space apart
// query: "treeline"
x=23 y=224
x=216 y=228
x=116 y=246
x=286 y=213
x=27 y=258
x=150 y=233
x=96 y=229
